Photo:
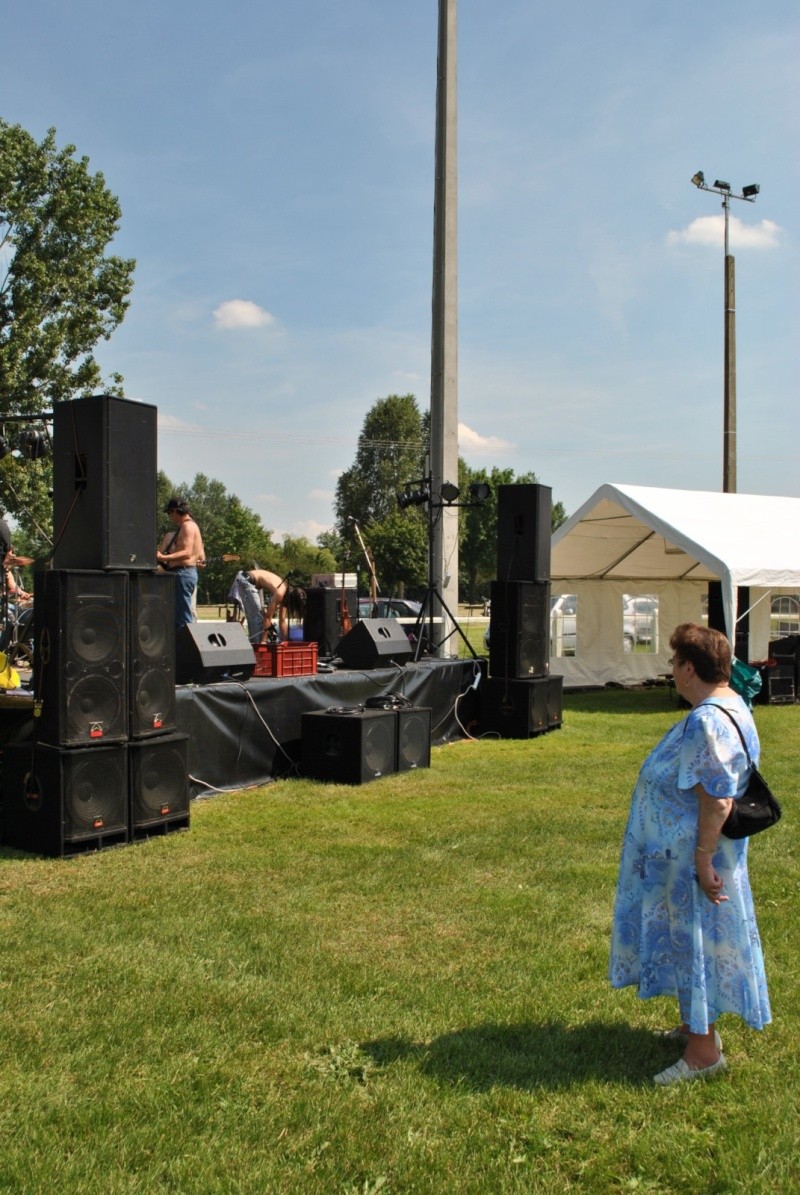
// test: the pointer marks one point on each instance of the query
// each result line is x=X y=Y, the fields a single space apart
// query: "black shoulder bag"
x=756 y=809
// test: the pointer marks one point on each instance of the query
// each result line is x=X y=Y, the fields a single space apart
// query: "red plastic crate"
x=286 y=659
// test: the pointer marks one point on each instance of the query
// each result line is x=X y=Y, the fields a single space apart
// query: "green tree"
x=60 y=293
x=391 y=451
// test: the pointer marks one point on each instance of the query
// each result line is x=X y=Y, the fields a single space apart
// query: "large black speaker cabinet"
x=213 y=651
x=322 y=621
x=520 y=709
x=374 y=642
x=151 y=653
x=349 y=747
x=413 y=738
x=59 y=801
x=79 y=658
x=716 y=617
x=519 y=629
x=524 y=514
x=104 y=483
x=158 y=784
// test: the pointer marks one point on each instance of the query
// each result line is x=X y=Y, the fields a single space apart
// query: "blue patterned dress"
x=667 y=937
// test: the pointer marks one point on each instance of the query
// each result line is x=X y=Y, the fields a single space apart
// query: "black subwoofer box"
x=349 y=748
x=322 y=620
x=520 y=709
x=104 y=483
x=524 y=514
x=519 y=629
x=80 y=649
x=158 y=784
x=374 y=642
x=151 y=653
x=61 y=801
x=213 y=651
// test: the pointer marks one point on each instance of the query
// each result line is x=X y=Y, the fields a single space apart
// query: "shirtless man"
x=247 y=589
x=179 y=553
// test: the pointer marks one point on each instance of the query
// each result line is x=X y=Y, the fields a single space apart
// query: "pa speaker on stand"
x=524 y=518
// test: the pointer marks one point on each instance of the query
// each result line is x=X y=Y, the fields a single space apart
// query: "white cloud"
x=710 y=230
x=310 y=528
x=321 y=495
x=241 y=313
x=467 y=438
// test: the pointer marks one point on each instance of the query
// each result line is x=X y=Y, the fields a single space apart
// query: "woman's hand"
x=708 y=879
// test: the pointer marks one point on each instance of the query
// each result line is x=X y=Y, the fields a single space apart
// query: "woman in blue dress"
x=684 y=923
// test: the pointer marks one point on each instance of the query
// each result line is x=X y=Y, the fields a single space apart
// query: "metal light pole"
x=729 y=303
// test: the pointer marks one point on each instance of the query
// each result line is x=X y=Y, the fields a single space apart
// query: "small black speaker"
x=80 y=648
x=374 y=642
x=213 y=651
x=59 y=801
x=151 y=653
x=519 y=629
x=413 y=738
x=158 y=784
x=349 y=747
x=516 y=709
x=104 y=483
x=555 y=701
x=322 y=621
x=524 y=518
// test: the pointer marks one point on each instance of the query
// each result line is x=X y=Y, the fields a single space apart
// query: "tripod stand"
x=431 y=592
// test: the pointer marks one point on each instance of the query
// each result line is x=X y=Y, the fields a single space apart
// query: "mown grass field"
x=396 y=987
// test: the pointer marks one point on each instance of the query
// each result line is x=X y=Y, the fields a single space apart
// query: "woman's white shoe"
x=681 y=1072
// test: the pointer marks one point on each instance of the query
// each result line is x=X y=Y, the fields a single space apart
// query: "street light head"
x=721 y=186
x=699 y=179
x=751 y=191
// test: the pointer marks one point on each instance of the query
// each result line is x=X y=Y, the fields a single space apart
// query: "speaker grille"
x=349 y=748
x=94 y=794
x=159 y=781
x=413 y=739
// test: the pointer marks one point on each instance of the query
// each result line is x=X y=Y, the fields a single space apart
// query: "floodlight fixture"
x=751 y=191
x=406 y=498
x=721 y=186
x=479 y=491
x=449 y=492
x=32 y=443
x=699 y=179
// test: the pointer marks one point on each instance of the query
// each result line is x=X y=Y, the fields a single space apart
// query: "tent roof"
x=628 y=532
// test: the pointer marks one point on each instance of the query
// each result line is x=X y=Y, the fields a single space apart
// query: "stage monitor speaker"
x=158 y=784
x=349 y=747
x=59 y=801
x=104 y=483
x=151 y=653
x=79 y=657
x=413 y=738
x=374 y=642
x=524 y=529
x=322 y=621
x=213 y=651
x=519 y=629
x=516 y=709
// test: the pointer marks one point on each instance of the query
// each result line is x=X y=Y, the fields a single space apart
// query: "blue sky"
x=274 y=162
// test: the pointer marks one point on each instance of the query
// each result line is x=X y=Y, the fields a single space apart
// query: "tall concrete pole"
x=729 y=412
x=444 y=332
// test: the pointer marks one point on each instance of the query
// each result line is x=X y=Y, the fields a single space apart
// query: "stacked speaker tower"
x=105 y=765
x=520 y=698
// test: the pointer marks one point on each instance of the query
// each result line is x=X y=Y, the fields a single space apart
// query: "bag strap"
x=736 y=724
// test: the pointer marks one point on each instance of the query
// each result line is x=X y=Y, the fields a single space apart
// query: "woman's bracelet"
x=704 y=850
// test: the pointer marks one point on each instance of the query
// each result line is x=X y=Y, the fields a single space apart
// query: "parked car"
x=640 y=618
x=389 y=608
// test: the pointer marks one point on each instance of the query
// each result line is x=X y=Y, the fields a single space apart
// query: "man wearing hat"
x=179 y=553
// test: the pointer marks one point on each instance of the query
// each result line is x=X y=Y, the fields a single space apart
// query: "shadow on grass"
x=530 y=1056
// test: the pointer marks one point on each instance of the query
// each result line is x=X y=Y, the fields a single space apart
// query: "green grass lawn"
x=396 y=987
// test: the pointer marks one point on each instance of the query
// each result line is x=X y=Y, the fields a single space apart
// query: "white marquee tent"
x=632 y=540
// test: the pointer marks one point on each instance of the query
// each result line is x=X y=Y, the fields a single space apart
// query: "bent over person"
x=247 y=588
x=179 y=552
x=684 y=922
